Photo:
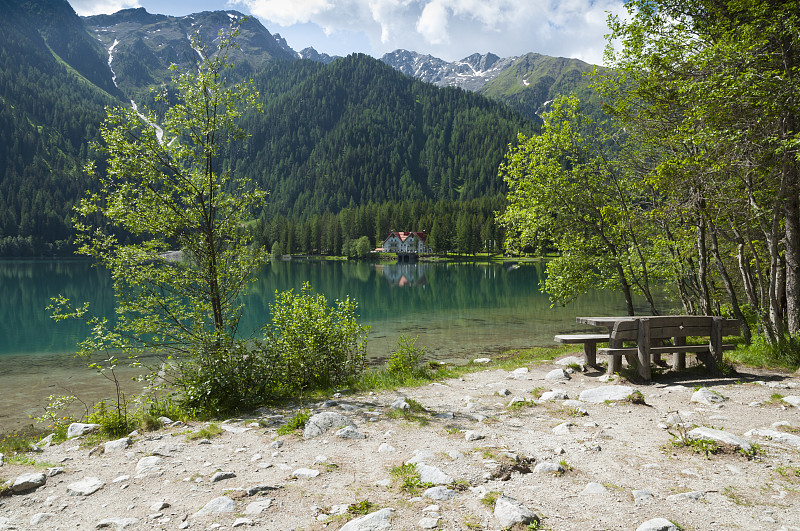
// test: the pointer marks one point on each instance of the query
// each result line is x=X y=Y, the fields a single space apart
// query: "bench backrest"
x=665 y=327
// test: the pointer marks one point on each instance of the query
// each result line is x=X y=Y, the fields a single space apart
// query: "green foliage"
x=296 y=423
x=114 y=422
x=490 y=498
x=318 y=346
x=55 y=413
x=407 y=476
x=405 y=356
x=206 y=432
x=361 y=508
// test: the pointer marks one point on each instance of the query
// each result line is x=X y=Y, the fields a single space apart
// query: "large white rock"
x=509 y=511
x=707 y=396
x=594 y=488
x=548 y=468
x=28 y=481
x=305 y=473
x=439 y=493
x=78 y=428
x=370 y=522
x=85 y=487
x=222 y=504
x=557 y=375
x=720 y=436
x=431 y=474
x=776 y=436
x=554 y=395
x=658 y=524
x=349 y=432
x=598 y=395
x=257 y=507
x=119 y=444
x=117 y=523
x=792 y=400
x=420 y=456
x=147 y=464
x=322 y=422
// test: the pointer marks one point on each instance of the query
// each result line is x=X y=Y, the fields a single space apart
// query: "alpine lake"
x=458 y=311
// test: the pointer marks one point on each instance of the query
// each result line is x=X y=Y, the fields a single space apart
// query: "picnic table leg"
x=679 y=358
x=590 y=353
x=643 y=343
x=615 y=360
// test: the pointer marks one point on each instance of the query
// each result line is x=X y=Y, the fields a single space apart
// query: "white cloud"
x=96 y=7
x=453 y=29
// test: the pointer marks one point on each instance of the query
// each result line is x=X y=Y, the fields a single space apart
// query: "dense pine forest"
x=353 y=141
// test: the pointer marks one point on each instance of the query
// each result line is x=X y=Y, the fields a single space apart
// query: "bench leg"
x=590 y=354
x=614 y=363
x=679 y=358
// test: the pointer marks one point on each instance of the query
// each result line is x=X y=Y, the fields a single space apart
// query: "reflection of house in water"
x=407 y=245
x=404 y=274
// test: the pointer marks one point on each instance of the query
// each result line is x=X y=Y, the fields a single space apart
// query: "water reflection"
x=404 y=274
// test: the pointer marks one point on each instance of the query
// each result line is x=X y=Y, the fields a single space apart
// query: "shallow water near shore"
x=459 y=312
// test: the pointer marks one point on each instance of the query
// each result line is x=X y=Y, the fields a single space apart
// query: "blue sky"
x=448 y=29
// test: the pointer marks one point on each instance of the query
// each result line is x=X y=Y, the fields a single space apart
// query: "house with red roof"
x=406 y=243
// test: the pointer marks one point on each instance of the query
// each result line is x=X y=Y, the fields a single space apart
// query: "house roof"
x=422 y=235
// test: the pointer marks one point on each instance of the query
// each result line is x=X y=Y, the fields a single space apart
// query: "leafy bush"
x=297 y=422
x=113 y=421
x=406 y=356
x=318 y=346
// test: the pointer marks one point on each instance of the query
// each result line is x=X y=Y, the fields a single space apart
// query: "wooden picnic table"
x=649 y=333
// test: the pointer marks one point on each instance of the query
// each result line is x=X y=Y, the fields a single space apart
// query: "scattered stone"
x=46 y=442
x=658 y=524
x=85 y=487
x=276 y=444
x=117 y=523
x=509 y=511
x=322 y=422
x=54 y=471
x=158 y=506
x=29 y=481
x=481 y=360
x=164 y=420
x=429 y=523
x=400 y=404
x=370 y=522
x=257 y=507
x=682 y=496
x=598 y=395
x=792 y=400
x=557 y=375
x=77 y=429
x=219 y=476
x=119 y=444
x=431 y=474
x=120 y=479
x=519 y=374
x=349 y=432
x=240 y=522
x=720 y=436
x=232 y=428
x=305 y=473
x=776 y=436
x=439 y=493
x=2 y=459
x=39 y=518
x=503 y=392
x=642 y=497
x=549 y=468
x=707 y=396
x=594 y=488
x=554 y=395
x=167 y=450
x=563 y=429
x=222 y=504
x=420 y=456
x=148 y=464
x=472 y=435
x=447 y=415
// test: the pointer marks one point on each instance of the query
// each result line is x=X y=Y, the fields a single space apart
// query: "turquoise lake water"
x=459 y=311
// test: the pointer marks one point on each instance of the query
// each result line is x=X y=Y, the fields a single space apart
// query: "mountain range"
x=335 y=132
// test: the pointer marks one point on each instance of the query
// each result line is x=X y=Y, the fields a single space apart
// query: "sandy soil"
x=622 y=446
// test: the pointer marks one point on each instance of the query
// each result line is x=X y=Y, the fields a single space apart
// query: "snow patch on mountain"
x=470 y=73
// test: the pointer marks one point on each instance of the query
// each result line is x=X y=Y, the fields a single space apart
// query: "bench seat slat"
x=661 y=350
x=580 y=338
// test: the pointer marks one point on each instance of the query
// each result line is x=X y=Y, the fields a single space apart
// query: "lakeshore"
x=572 y=461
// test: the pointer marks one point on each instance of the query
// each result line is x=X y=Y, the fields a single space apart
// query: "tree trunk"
x=726 y=279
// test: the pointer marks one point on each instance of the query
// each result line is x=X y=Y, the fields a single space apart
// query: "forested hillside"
x=332 y=136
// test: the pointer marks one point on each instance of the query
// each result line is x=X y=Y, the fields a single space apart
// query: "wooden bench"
x=589 y=342
x=651 y=332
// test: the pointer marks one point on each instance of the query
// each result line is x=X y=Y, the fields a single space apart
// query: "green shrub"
x=297 y=422
x=114 y=421
x=406 y=356
x=318 y=346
